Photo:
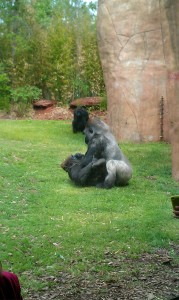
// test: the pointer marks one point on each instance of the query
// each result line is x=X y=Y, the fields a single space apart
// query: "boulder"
x=43 y=104
x=139 y=51
x=86 y=102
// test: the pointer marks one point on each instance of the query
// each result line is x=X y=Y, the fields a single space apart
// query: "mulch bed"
x=151 y=276
x=61 y=113
x=52 y=113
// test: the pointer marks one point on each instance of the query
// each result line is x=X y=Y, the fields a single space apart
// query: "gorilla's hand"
x=78 y=156
x=98 y=162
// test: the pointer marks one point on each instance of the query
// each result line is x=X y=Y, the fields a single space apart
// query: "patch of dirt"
x=151 y=276
x=62 y=113
x=52 y=113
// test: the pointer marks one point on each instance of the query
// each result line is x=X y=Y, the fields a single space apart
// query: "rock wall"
x=138 y=45
x=170 y=25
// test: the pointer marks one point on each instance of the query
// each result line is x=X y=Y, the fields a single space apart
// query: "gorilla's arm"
x=91 y=175
x=94 y=151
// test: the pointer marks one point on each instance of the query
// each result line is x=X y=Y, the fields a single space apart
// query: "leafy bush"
x=81 y=88
x=25 y=94
x=23 y=97
x=4 y=90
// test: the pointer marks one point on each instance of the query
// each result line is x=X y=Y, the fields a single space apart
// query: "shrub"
x=4 y=90
x=23 y=97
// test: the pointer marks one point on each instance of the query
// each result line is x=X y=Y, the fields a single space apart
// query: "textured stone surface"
x=87 y=102
x=138 y=44
x=170 y=25
x=43 y=104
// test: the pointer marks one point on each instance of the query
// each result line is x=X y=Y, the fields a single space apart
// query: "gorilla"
x=80 y=119
x=93 y=174
x=102 y=144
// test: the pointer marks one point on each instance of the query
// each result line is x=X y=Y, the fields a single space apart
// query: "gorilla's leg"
x=118 y=173
x=74 y=126
x=123 y=172
x=110 y=179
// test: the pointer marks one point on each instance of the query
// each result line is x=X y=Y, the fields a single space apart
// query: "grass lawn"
x=48 y=225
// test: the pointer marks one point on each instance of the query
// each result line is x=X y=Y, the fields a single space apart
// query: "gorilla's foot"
x=100 y=185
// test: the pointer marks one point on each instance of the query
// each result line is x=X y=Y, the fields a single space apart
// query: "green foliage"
x=23 y=97
x=81 y=88
x=52 y=45
x=25 y=94
x=4 y=89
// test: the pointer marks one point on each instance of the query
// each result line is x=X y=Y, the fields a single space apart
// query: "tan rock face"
x=138 y=45
x=170 y=21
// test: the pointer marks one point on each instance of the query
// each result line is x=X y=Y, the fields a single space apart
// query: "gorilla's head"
x=81 y=112
x=69 y=162
x=95 y=126
x=78 y=112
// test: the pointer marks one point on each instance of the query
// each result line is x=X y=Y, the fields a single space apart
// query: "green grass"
x=47 y=224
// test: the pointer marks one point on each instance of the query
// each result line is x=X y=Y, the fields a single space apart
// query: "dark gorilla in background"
x=93 y=174
x=80 y=119
x=102 y=144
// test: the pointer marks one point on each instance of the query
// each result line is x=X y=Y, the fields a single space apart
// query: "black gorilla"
x=102 y=144
x=80 y=119
x=93 y=174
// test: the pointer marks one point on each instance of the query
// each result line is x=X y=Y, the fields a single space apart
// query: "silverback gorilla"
x=93 y=174
x=80 y=119
x=102 y=144
x=103 y=165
